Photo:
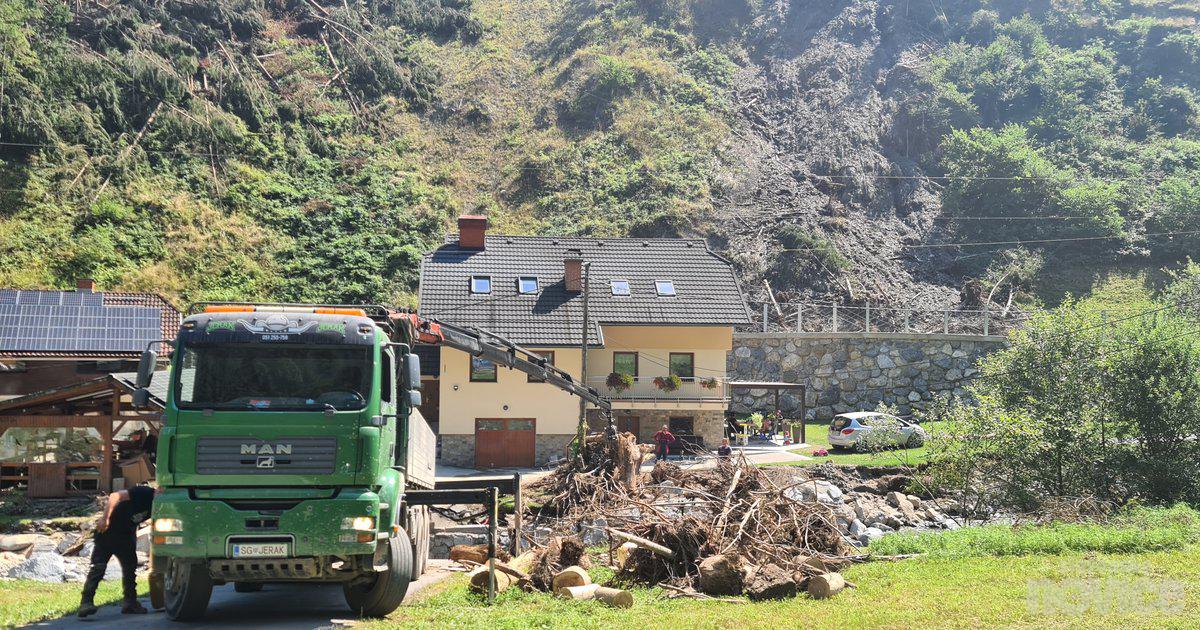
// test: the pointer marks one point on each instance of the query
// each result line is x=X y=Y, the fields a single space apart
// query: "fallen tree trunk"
x=665 y=552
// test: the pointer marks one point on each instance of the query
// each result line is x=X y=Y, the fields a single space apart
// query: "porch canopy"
x=776 y=387
x=102 y=404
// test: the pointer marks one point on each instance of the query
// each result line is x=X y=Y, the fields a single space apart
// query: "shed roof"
x=706 y=289
x=82 y=323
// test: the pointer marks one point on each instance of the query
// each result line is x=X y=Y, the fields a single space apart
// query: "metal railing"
x=833 y=318
x=645 y=388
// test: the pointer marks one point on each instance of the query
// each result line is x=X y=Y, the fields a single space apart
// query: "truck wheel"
x=385 y=591
x=247 y=587
x=158 y=567
x=186 y=589
x=418 y=525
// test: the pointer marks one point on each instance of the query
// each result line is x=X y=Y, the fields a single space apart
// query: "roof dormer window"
x=620 y=287
x=664 y=288
x=527 y=285
x=481 y=285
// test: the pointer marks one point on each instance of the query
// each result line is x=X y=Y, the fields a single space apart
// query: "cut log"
x=586 y=591
x=629 y=460
x=827 y=585
x=570 y=576
x=524 y=562
x=623 y=553
x=479 y=580
x=665 y=552
x=472 y=553
x=614 y=597
x=721 y=575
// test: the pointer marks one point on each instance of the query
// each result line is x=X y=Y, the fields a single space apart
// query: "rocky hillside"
x=850 y=150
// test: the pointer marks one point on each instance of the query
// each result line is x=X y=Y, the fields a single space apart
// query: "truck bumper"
x=311 y=528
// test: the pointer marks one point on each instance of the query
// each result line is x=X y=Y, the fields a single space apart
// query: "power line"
x=1022 y=242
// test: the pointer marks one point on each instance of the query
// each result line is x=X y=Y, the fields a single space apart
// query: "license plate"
x=260 y=550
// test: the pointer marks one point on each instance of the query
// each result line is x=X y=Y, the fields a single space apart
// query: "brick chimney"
x=85 y=284
x=471 y=231
x=573 y=271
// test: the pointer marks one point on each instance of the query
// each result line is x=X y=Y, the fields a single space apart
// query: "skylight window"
x=527 y=285
x=620 y=287
x=665 y=288
x=481 y=284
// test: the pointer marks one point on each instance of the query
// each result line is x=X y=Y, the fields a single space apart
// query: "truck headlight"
x=359 y=523
x=168 y=525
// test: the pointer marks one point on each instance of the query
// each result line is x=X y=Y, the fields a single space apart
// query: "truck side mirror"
x=141 y=398
x=145 y=372
x=412 y=363
x=414 y=398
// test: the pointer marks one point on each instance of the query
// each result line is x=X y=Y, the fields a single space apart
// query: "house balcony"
x=645 y=393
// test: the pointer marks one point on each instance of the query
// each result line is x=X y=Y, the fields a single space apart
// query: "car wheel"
x=386 y=589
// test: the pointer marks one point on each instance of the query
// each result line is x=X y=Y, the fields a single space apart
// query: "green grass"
x=24 y=602
x=1138 y=530
x=816 y=435
x=1102 y=590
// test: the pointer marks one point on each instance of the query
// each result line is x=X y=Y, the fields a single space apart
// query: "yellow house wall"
x=654 y=344
x=556 y=411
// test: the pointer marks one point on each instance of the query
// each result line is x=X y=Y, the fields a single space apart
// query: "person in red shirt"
x=663 y=439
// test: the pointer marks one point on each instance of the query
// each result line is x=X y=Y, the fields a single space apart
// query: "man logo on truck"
x=266 y=461
x=266 y=449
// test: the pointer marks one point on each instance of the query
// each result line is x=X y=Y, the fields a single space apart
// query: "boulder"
x=721 y=575
x=819 y=490
x=67 y=541
x=869 y=535
x=901 y=502
x=21 y=542
x=41 y=567
x=857 y=528
x=770 y=582
x=10 y=559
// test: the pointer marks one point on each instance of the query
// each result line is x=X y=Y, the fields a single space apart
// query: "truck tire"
x=247 y=587
x=186 y=590
x=384 y=593
x=419 y=531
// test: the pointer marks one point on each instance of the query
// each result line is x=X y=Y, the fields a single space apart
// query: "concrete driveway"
x=276 y=607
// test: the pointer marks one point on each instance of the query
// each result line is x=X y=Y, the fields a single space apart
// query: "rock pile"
x=57 y=556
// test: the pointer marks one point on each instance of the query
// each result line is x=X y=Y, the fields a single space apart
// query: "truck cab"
x=290 y=435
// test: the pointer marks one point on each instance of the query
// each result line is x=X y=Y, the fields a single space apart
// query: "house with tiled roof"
x=660 y=321
x=51 y=339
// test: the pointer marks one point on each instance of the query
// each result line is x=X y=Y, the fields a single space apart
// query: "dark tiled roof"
x=707 y=292
x=82 y=324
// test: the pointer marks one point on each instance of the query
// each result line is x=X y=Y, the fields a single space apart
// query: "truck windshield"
x=273 y=377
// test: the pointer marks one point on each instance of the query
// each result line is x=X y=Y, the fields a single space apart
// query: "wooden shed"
x=102 y=404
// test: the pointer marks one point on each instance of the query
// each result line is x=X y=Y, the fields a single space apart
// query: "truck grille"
x=250 y=456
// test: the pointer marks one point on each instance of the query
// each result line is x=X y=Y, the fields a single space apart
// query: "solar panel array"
x=66 y=321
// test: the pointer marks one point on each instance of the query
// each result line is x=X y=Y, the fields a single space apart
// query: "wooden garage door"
x=504 y=442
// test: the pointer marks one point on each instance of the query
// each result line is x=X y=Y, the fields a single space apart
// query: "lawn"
x=1158 y=589
x=24 y=602
x=817 y=437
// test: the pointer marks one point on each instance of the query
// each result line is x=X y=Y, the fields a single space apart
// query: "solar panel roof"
x=74 y=321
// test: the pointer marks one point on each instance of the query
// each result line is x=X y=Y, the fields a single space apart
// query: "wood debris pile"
x=725 y=530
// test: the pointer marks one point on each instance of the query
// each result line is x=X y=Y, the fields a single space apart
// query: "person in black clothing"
x=116 y=535
x=723 y=451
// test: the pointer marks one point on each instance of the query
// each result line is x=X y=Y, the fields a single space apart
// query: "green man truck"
x=290 y=438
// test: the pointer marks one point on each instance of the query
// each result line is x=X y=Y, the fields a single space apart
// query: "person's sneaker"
x=134 y=608
x=86 y=610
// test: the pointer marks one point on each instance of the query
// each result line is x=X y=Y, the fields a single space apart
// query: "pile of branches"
x=733 y=509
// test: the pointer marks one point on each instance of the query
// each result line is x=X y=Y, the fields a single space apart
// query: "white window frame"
x=536 y=285
x=628 y=288
x=481 y=277
x=658 y=289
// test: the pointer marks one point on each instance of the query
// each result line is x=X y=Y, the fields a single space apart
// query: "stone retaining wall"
x=853 y=371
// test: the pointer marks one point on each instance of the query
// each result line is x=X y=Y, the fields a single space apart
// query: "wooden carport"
x=102 y=404
x=776 y=387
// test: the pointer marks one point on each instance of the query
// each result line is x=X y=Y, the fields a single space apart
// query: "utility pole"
x=581 y=431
